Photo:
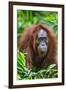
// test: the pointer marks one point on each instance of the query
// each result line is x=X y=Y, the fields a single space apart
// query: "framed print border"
x=11 y=44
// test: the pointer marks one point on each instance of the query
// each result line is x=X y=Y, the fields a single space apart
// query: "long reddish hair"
x=26 y=40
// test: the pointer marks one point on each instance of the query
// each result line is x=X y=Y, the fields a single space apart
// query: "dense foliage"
x=26 y=18
x=24 y=73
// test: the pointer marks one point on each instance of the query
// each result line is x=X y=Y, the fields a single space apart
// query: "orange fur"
x=27 y=43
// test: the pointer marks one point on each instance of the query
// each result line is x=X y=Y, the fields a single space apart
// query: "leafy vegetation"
x=26 y=18
x=24 y=73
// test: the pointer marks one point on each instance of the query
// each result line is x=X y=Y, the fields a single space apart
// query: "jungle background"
x=26 y=18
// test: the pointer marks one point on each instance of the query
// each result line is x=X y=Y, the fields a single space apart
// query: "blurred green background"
x=26 y=18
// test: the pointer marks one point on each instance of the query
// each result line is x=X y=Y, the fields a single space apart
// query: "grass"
x=23 y=73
